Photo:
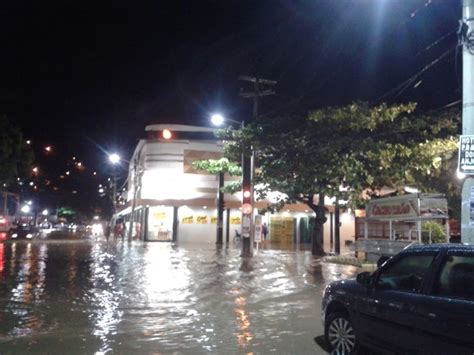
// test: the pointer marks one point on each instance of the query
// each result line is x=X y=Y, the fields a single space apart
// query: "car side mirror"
x=365 y=279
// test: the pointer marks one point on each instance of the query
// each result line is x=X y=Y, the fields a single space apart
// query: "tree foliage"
x=351 y=151
x=347 y=152
x=222 y=166
x=218 y=166
x=15 y=156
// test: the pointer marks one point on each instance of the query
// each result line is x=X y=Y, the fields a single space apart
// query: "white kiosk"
x=406 y=210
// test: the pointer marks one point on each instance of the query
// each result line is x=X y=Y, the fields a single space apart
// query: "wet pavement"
x=94 y=297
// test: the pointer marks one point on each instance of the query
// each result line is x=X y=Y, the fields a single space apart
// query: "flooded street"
x=96 y=298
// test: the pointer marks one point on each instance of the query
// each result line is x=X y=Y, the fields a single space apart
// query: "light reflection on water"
x=158 y=298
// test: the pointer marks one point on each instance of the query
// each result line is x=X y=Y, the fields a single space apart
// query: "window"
x=456 y=278
x=405 y=274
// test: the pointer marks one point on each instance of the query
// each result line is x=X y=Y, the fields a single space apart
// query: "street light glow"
x=25 y=209
x=217 y=119
x=114 y=158
x=45 y=212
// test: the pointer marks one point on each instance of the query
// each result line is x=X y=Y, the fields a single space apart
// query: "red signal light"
x=246 y=208
x=246 y=194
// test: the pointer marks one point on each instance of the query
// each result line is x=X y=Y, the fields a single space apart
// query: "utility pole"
x=260 y=88
x=114 y=190
x=337 y=224
x=466 y=39
x=220 y=210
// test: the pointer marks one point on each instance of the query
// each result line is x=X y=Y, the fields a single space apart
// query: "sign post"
x=258 y=231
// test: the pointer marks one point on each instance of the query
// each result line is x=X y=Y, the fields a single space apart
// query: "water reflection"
x=244 y=337
x=29 y=288
x=158 y=298
x=2 y=259
x=104 y=297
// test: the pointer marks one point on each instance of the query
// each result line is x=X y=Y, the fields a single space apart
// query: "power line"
x=436 y=42
x=399 y=89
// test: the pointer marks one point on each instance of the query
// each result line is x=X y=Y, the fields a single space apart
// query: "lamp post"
x=137 y=184
x=114 y=159
x=247 y=195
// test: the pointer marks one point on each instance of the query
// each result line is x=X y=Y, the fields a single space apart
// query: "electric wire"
x=399 y=89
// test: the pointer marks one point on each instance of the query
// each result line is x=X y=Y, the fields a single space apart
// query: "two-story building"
x=172 y=201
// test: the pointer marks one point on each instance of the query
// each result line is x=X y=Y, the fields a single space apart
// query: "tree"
x=15 y=156
x=219 y=168
x=347 y=152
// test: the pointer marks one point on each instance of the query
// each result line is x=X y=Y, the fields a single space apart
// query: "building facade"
x=172 y=201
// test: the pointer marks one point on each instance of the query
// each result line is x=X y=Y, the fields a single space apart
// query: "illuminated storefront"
x=174 y=202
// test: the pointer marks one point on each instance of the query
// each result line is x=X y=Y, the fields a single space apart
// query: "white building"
x=176 y=202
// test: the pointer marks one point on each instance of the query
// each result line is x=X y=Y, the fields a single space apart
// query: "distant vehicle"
x=23 y=231
x=419 y=301
x=9 y=203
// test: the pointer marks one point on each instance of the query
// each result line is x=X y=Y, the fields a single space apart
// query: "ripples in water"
x=158 y=298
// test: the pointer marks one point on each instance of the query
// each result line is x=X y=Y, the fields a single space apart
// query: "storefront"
x=171 y=201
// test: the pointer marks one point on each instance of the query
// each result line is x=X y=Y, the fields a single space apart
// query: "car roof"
x=438 y=247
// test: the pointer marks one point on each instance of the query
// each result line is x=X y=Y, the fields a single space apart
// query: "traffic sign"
x=466 y=154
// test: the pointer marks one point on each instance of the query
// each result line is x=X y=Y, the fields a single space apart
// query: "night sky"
x=79 y=74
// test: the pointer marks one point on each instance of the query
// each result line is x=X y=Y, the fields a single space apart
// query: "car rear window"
x=456 y=278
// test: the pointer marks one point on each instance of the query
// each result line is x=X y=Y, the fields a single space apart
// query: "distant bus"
x=9 y=212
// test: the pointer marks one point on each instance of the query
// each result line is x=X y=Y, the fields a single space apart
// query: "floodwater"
x=94 y=297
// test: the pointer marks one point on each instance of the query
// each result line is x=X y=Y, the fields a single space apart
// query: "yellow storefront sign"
x=159 y=215
x=203 y=219
x=187 y=220
x=235 y=220
x=214 y=220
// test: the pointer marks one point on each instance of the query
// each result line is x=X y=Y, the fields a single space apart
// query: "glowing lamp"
x=246 y=208
x=166 y=134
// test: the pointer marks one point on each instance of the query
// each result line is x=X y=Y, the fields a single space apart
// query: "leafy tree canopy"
x=15 y=156
x=349 y=151
x=222 y=166
x=218 y=166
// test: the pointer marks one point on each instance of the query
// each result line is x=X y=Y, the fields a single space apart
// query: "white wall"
x=202 y=233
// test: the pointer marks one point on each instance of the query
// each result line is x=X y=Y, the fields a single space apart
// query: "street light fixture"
x=218 y=120
x=114 y=158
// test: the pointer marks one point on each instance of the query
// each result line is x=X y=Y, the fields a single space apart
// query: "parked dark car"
x=23 y=231
x=420 y=301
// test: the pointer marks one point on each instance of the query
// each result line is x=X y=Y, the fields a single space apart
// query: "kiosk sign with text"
x=466 y=154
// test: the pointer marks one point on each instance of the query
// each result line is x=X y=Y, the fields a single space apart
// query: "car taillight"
x=3 y=235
